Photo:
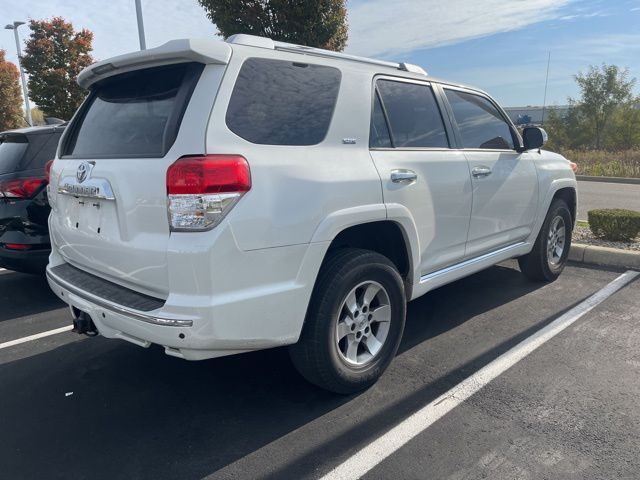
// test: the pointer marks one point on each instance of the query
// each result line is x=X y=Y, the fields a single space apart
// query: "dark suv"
x=24 y=208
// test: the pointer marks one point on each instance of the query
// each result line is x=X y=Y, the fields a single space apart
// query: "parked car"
x=223 y=197
x=24 y=209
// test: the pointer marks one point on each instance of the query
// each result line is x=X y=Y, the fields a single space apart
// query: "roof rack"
x=264 y=42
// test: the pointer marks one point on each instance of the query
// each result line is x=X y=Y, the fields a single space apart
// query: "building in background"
x=533 y=115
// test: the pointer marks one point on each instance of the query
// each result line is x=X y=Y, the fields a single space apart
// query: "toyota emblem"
x=83 y=171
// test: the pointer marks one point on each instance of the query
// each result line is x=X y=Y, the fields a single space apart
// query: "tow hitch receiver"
x=82 y=323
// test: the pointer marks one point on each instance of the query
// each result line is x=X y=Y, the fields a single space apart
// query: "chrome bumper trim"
x=115 y=308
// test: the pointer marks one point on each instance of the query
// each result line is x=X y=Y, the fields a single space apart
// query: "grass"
x=601 y=163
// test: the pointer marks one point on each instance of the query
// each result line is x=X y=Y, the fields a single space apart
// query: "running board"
x=468 y=267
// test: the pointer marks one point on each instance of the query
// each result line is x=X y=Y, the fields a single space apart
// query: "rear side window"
x=480 y=123
x=135 y=114
x=275 y=102
x=414 y=116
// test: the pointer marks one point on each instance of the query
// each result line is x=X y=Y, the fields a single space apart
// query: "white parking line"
x=374 y=453
x=35 y=337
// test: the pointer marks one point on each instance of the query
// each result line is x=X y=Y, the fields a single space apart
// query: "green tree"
x=10 y=97
x=54 y=56
x=556 y=127
x=624 y=133
x=602 y=90
x=315 y=23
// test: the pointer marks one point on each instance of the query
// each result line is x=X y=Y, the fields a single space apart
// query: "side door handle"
x=403 y=176
x=481 y=171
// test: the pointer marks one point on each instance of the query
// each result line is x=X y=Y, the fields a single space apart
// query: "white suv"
x=221 y=197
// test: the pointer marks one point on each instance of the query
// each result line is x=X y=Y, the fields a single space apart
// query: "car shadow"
x=453 y=304
x=106 y=409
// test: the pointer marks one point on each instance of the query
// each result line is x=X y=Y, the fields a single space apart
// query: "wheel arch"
x=570 y=197
x=565 y=188
x=386 y=237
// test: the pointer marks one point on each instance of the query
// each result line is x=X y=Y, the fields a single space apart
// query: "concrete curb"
x=604 y=256
x=587 y=178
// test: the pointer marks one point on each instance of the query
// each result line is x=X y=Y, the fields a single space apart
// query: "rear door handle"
x=481 y=171
x=403 y=176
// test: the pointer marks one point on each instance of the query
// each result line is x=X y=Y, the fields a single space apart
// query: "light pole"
x=14 y=26
x=143 y=43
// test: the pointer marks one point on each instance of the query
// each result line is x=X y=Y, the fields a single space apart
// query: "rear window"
x=135 y=114
x=20 y=152
x=275 y=102
x=12 y=149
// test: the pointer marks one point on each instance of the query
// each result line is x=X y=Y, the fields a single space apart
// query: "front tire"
x=549 y=255
x=354 y=323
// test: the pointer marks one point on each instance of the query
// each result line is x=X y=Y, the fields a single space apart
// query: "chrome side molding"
x=470 y=262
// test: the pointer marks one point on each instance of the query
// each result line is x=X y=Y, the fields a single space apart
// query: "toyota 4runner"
x=222 y=197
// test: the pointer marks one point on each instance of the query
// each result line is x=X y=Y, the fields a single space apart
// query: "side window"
x=413 y=113
x=275 y=102
x=379 y=134
x=480 y=123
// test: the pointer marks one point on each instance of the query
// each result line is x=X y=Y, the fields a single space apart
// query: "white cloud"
x=383 y=28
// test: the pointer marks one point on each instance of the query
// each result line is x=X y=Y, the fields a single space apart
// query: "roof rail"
x=264 y=42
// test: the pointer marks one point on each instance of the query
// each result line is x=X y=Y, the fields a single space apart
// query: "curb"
x=604 y=256
x=587 y=178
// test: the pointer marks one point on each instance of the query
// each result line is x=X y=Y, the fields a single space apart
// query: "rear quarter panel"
x=295 y=188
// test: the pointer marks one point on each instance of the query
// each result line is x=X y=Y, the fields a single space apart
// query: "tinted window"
x=480 y=123
x=379 y=134
x=11 y=152
x=134 y=114
x=276 y=102
x=413 y=113
x=41 y=156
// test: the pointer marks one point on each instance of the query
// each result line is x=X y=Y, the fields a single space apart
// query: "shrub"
x=624 y=163
x=615 y=224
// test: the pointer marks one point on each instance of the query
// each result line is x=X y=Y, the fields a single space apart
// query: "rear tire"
x=354 y=323
x=549 y=255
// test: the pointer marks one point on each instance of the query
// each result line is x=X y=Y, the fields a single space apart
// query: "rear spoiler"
x=175 y=51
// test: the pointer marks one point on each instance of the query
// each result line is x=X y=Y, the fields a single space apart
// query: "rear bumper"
x=27 y=261
x=196 y=326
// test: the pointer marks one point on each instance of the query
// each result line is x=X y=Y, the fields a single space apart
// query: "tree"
x=602 y=91
x=315 y=23
x=54 y=56
x=10 y=97
x=37 y=116
x=625 y=127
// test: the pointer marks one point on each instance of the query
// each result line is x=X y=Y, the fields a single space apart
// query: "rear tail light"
x=202 y=190
x=574 y=167
x=47 y=171
x=21 y=187
x=17 y=246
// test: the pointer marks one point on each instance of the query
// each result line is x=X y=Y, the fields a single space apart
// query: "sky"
x=501 y=46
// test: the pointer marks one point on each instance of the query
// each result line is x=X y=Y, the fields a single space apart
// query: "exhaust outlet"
x=82 y=323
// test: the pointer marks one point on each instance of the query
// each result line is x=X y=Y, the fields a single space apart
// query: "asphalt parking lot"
x=77 y=407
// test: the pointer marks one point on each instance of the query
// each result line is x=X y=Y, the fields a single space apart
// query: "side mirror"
x=534 y=137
